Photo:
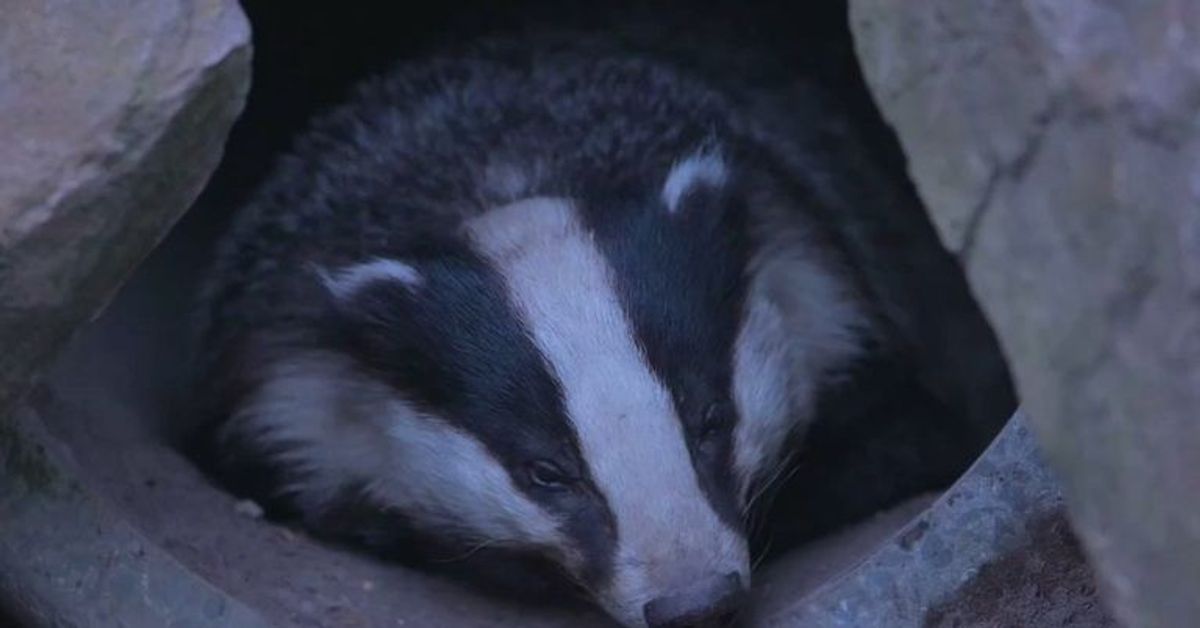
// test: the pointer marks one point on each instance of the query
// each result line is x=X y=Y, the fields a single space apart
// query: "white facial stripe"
x=800 y=325
x=760 y=390
x=339 y=428
x=456 y=483
x=624 y=417
x=344 y=282
x=700 y=168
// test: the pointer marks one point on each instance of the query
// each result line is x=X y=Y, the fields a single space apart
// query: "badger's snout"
x=710 y=603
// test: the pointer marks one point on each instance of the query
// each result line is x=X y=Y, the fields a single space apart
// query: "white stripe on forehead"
x=624 y=417
x=801 y=324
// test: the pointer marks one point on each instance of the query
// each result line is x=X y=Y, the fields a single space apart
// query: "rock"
x=978 y=536
x=248 y=508
x=1043 y=582
x=112 y=117
x=1057 y=148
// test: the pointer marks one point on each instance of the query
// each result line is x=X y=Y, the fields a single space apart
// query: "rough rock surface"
x=1045 y=582
x=987 y=533
x=1057 y=147
x=112 y=116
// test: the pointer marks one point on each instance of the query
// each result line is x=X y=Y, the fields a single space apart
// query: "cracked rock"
x=1056 y=147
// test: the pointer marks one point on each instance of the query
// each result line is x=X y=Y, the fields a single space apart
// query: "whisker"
x=783 y=465
x=762 y=555
x=467 y=554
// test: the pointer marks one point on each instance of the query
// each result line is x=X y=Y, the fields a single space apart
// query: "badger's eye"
x=546 y=474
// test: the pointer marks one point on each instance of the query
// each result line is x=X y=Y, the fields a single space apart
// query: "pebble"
x=248 y=508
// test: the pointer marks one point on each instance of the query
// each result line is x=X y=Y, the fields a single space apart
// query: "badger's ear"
x=702 y=170
x=344 y=282
x=374 y=309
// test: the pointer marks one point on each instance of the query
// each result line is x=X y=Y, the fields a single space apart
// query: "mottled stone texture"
x=1044 y=582
x=978 y=535
x=112 y=116
x=1057 y=145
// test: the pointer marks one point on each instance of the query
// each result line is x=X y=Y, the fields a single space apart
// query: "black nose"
x=711 y=603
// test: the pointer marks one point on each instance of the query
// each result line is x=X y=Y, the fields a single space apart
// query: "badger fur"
x=555 y=306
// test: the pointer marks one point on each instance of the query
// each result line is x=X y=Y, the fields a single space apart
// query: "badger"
x=554 y=310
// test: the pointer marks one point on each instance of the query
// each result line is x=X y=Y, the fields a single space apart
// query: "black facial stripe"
x=353 y=516
x=455 y=346
x=679 y=278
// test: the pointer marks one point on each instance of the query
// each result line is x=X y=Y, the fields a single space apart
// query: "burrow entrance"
x=119 y=394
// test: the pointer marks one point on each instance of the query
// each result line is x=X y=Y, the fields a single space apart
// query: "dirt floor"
x=1045 y=583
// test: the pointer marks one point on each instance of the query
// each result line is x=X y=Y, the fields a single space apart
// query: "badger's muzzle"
x=711 y=603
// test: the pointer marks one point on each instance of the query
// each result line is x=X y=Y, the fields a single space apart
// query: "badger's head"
x=602 y=382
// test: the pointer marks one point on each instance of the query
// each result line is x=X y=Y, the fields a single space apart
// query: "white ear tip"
x=700 y=168
x=344 y=282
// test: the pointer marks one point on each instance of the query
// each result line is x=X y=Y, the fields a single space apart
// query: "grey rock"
x=68 y=558
x=1057 y=146
x=112 y=117
x=929 y=567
